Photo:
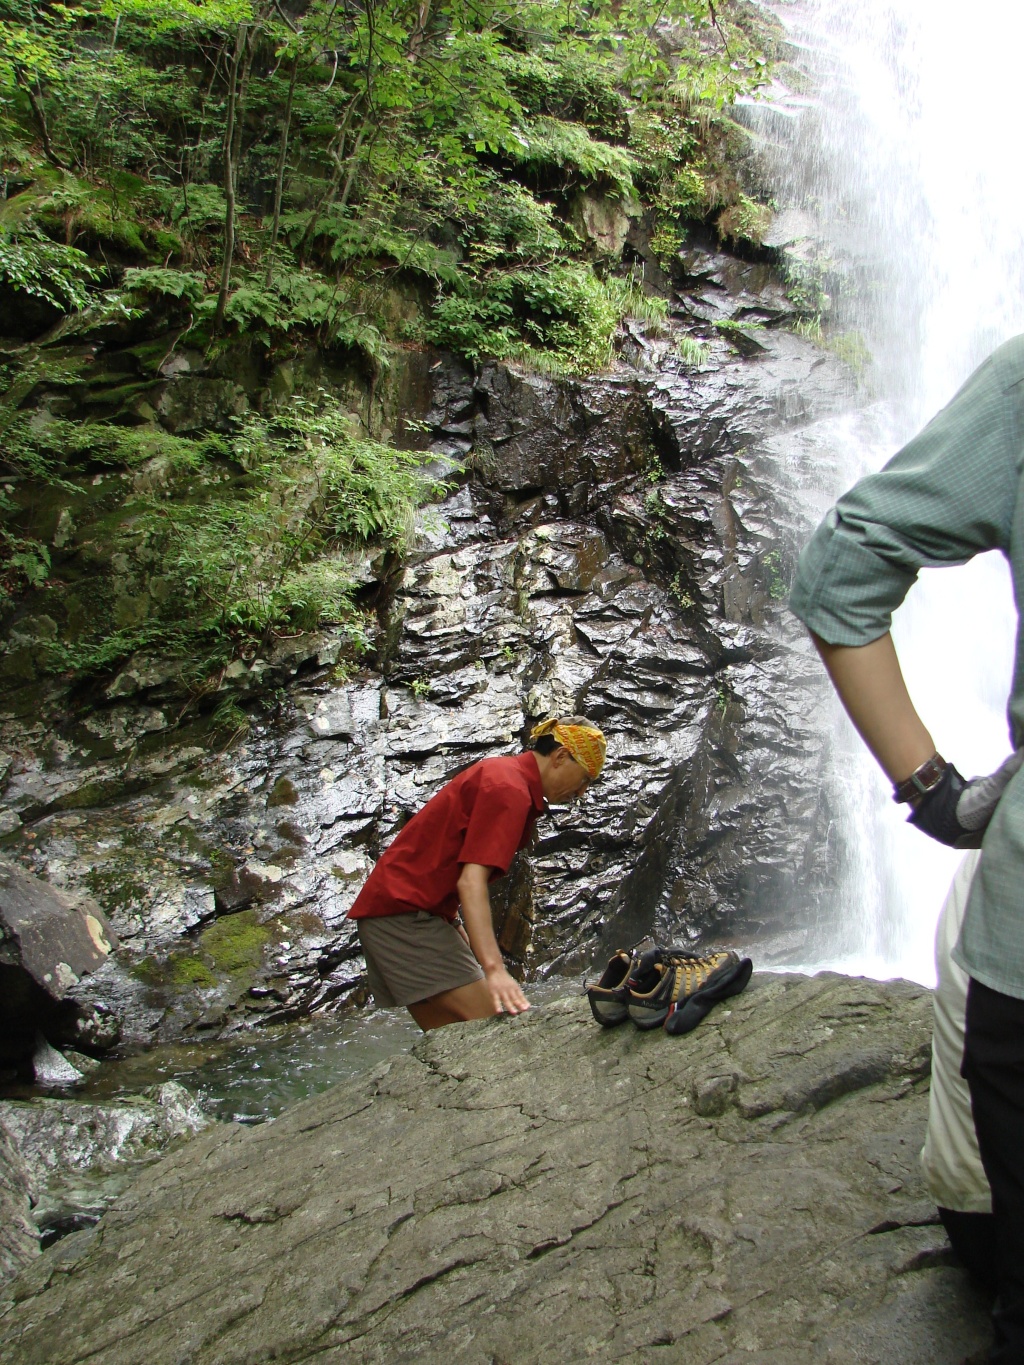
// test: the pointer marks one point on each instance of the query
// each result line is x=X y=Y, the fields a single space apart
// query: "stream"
x=251 y=1077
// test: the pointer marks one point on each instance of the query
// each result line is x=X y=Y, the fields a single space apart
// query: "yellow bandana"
x=586 y=743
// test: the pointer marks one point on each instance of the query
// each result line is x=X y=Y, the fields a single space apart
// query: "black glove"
x=956 y=812
x=935 y=813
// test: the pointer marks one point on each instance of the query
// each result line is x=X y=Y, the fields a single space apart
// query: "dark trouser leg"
x=972 y=1237
x=994 y=1070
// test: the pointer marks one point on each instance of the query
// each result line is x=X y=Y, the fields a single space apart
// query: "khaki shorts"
x=412 y=956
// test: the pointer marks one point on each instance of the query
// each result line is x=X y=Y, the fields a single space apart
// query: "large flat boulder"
x=48 y=943
x=541 y=1190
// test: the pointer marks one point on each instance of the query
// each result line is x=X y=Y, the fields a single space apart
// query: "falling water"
x=905 y=157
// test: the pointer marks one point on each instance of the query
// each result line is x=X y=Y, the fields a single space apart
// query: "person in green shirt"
x=952 y=492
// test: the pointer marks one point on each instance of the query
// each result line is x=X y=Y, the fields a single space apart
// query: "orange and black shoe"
x=706 y=980
x=677 y=989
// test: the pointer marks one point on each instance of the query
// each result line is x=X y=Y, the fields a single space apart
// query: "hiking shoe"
x=706 y=981
x=666 y=980
x=609 y=997
x=653 y=986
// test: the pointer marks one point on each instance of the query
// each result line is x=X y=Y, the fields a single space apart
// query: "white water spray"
x=907 y=159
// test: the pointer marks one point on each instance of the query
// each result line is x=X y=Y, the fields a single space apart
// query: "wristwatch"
x=921 y=781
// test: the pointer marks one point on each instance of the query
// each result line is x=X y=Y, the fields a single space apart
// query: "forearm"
x=505 y=991
x=870 y=685
x=476 y=915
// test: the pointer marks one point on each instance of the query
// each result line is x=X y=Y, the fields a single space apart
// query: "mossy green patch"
x=235 y=944
x=190 y=971
x=180 y=970
x=284 y=793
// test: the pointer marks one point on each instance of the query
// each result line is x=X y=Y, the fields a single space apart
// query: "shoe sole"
x=688 y=1016
x=608 y=1013
x=645 y=1021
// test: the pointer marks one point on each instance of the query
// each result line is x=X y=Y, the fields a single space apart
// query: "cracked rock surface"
x=541 y=1190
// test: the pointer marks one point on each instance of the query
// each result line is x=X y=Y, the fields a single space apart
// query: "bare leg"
x=452 y=1007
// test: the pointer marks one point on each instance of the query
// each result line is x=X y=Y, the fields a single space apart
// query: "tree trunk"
x=39 y=114
x=281 y=163
x=230 y=175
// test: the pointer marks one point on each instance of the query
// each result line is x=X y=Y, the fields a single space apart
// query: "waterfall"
x=903 y=157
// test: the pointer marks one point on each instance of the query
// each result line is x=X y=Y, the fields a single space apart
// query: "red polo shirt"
x=485 y=815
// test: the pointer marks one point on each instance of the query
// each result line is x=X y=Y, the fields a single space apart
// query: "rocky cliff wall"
x=620 y=546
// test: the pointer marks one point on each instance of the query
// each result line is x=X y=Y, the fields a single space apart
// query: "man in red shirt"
x=465 y=836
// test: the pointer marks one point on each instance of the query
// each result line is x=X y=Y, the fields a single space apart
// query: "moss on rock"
x=235 y=944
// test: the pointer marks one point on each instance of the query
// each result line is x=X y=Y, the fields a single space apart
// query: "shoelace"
x=689 y=967
x=701 y=968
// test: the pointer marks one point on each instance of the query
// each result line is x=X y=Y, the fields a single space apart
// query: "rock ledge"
x=540 y=1190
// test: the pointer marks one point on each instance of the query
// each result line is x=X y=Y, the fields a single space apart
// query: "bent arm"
x=475 y=900
x=870 y=685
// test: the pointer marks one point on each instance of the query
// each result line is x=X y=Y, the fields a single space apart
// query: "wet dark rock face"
x=19 y=1236
x=619 y=547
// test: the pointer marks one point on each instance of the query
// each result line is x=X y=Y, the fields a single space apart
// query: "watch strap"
x=921 y=781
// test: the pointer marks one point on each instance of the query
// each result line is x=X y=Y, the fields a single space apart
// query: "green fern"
x=570 y=147
x=157 y=282
x=59 y=274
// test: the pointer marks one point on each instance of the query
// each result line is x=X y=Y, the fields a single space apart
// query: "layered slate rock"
x=539 y=1190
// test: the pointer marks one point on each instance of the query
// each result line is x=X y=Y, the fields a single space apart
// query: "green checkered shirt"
x=953 y=491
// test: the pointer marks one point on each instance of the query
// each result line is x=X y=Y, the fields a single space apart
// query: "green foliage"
x=49 y=270
x=809 y=327
x=443 y=143
x=570 y=148
x=53 y=450
x=746 y=220
x=772 y=561
x=156 y=282
x=564 y=312
x=197 y=208
x=852 y=350
x=806 y=285
x=294 y=300
x=246 y=176
x=343 y=238
x=84 y=212
x=301 y=300
x=691 y=351
x=678 y=592
x=241 y=563
x=230 y=720
x=234 y=538
x=24 y=562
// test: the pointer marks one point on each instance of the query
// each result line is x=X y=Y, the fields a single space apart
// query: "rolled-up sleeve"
x=946 y=496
